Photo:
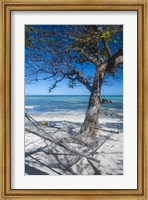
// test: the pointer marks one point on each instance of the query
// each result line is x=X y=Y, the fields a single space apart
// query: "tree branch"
x=112 y=62
x=100 y=29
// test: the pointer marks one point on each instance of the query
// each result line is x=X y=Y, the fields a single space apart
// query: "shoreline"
x=76 y=116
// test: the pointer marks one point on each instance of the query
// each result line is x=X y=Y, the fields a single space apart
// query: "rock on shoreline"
x=104 y=101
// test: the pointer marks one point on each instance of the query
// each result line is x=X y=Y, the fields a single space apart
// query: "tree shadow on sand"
x=33 y=171
x=118 y=126
x=64 y=156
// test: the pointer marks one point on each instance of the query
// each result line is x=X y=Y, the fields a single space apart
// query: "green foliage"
x=29 y=36
x=102 y=36
x=64 y=48
x=107 y=35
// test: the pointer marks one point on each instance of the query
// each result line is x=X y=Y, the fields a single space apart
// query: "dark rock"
x=105 y=101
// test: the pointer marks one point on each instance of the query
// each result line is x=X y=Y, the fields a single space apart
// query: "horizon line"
x=71 y=95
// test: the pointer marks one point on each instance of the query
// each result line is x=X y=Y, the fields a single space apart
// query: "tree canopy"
x=56 y=52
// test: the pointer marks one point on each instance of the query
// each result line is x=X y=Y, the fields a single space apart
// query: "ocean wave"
x=29 y=107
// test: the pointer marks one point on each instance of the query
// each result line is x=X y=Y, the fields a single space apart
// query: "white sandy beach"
x=39 y=152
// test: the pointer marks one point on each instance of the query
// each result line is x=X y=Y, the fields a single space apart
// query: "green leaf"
x=105 y=56
x=103 y=36
x=107 y=34
x=32 y=38
x=77 y=48
x=115 y=41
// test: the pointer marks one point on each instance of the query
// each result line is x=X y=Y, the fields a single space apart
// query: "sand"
x=42 y=157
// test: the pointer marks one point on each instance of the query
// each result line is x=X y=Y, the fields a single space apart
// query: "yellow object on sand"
x=43 y=123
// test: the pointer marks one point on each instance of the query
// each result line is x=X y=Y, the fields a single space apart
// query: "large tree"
x=61 y=52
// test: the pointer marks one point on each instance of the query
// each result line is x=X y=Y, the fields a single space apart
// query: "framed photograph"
x=73 y=100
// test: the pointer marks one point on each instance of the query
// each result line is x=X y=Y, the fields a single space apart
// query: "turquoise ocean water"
x=36 y=104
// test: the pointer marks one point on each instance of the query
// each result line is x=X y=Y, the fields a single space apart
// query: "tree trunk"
x=89 y=127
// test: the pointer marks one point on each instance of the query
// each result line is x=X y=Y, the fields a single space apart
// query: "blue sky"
x=112 y=87
x=41 y=88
